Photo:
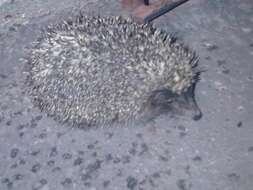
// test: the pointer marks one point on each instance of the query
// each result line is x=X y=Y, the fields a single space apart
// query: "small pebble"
x=210 y=47
x=106 y=183
x=14 y=152
x=53 y=152
x=66 y=181
x=250 y=149
x=239 y=124
x=78 y=161
x=67 y=156
x=36 y=168
x=18 y=176
x=131 y=182
x=197 y=158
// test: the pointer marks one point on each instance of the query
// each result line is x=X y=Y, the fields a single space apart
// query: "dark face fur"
x=168 y=101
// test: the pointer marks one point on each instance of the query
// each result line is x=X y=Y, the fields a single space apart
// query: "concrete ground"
x=215 y=153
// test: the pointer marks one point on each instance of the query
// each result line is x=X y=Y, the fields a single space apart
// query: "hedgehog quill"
x=100 y=70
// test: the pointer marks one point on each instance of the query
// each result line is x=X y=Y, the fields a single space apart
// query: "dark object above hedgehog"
x=96 y=70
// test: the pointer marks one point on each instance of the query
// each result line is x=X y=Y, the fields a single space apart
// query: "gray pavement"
x=215 y=153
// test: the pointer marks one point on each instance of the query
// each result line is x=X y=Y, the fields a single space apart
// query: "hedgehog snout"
x=190 y=103
x=197 y=115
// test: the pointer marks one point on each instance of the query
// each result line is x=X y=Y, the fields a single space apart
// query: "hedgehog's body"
x=97 y=70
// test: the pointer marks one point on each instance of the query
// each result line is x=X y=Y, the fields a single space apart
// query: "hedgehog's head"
x=177 y=90
x=170 y=101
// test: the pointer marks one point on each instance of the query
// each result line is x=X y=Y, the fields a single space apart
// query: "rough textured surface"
x=213 y=153
x=96 y=70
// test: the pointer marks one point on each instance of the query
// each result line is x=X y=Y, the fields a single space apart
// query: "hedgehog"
x=93 y=70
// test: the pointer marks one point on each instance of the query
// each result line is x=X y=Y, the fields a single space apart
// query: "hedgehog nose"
x=197 y=115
